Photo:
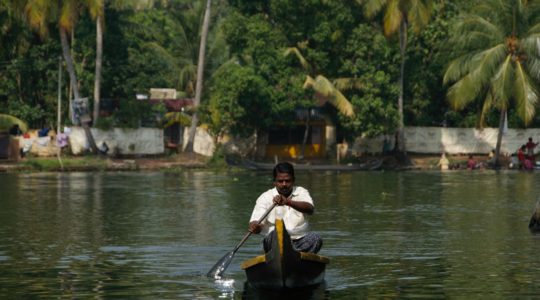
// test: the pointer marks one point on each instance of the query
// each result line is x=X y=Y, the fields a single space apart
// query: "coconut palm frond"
x=6 y=121
x=372 y=7
x=162 y=53
x=480 y=65
x=187 y=74
x=342 y=103
x=95 y=7
x=171 y=118
x=393 y=17
x=525 y=95
x=531 y=45
x=479 y=24
x=533 y=67
x=455 y=70
x=37 y=13
x=534 y=30
x=462 y=93
x=420 y=13
x=486 y=107
x=69 y=13
x=475 y=40
x=487 y=63
x=309 y=83
x=299 y=56
x=324 y=88
x=349 y=83
x=158 y=49
x=501 y=85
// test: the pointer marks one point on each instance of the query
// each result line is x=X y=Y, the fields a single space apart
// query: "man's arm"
x=300 y=206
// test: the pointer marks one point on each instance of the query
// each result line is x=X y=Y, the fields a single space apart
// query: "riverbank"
x=100 y=163
x=190 y=161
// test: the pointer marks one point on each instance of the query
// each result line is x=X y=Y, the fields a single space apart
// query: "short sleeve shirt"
x=296 y=222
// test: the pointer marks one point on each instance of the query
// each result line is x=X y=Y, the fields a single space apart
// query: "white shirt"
x=295 y=221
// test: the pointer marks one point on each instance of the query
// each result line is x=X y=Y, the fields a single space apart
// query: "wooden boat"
x=283 y=267
x=368 y=166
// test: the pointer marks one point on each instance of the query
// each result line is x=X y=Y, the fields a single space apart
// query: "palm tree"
x=97 y=11
x=199 y=84
x=323 y=88
x=499 y=60
x=39 y=13
x=397 y=16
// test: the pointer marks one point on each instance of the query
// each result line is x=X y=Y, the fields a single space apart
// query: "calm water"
x=155 y=235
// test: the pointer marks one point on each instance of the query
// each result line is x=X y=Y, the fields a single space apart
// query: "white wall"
x=451 y=140
x=203 y=142
x=427 y=140
x=141 y=141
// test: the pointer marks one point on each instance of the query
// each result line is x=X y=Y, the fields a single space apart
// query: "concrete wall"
x=450 y=140
x=203 y=142
x=427 y=140
x=141 y=141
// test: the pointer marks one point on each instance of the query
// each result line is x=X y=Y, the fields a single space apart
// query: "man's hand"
x=281 y=200
x=254 y=227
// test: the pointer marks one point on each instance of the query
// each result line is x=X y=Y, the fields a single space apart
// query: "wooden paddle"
x=219 y=268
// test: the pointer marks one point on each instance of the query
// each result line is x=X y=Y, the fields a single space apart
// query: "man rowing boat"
x=294 y=204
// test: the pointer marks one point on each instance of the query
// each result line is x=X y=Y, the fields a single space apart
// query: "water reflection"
x=155 y=235
x=308 y=293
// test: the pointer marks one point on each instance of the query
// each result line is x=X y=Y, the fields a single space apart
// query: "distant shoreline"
x=181 y=161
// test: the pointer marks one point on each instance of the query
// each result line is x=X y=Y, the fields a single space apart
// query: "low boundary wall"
x=141 y=141
x=431 y=140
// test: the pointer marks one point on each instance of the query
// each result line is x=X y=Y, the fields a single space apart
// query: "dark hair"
x=284 y=167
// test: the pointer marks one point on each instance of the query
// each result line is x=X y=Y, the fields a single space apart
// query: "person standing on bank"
x=294 y=204
x=530 y=149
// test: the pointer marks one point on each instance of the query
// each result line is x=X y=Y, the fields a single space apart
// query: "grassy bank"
x=101 y=163
x=44 y=164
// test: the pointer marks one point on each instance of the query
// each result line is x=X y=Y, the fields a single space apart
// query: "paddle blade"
x=219 y=268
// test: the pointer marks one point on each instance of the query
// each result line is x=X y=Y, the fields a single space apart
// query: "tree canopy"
x=249 y=83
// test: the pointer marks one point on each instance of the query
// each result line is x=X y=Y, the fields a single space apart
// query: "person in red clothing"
x=521 y=155
x=471 y=163
x=530 y=149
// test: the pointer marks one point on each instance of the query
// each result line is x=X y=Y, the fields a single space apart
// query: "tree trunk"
x=402 y=48
x=73 y=80
x=59 y=103
x=99 y=59
x=306 y=134
x=200 y=71
x=502 y=120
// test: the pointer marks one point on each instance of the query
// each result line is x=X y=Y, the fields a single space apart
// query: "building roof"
x=173 y=104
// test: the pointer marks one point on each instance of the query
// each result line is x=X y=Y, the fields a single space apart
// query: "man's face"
x=284 y=183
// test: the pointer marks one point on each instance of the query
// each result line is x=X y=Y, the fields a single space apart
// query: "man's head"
x=284 y=178
x=530 y=139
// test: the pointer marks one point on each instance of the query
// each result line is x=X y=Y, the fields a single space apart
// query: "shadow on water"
x=309 y=293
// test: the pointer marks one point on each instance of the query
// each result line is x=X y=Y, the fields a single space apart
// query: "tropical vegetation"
x=499 y=60
x=447 y=63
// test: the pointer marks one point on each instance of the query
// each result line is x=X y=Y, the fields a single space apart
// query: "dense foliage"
x=251 y=83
